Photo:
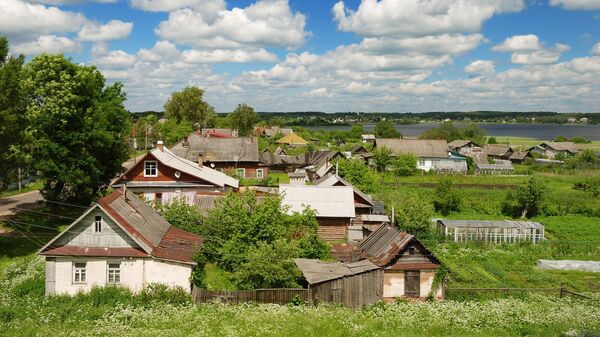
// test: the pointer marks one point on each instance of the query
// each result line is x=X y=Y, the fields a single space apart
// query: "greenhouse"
x=491 y=231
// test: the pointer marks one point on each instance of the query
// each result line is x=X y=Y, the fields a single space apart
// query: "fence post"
x=562 y=290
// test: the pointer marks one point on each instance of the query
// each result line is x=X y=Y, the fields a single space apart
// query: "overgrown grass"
x=24 y=311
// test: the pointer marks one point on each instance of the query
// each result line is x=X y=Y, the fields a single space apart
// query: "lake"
x=539 y=131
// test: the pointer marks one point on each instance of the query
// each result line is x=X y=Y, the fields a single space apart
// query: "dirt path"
x=23 y=200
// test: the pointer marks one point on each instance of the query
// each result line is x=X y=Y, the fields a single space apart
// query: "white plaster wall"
x=393 y=284
x=135 y=274
x=169 y=273
x=426 y=283
x=426 y=165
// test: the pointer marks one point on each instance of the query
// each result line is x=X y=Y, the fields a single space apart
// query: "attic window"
x=150 y=168
x=98 y=224
x=411 y=251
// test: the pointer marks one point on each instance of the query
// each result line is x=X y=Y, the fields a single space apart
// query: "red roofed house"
x=119 y=241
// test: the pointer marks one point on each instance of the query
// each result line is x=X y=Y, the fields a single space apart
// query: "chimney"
x=124 y=190
x=160 y=145
x=200 y=158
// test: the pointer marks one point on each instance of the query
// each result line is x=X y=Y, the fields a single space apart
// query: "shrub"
x=157 y=292
x=447 y=199
x=405 y=164
x=527 y=201
x=359 y=174
x=492 y=140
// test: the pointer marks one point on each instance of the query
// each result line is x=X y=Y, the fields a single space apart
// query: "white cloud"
x=162 y=51
x=446 y=44
x=480 y=67
x=50 y=44
x=209 y=9
x=266 y=23
x=112 y=30
x=410 y=18
x=577 y=4
x=227 y=55
x=596 y=49
x=70 y=2
x=528 y=49
x=24 y=21
x=319 y=92
x=116 y=59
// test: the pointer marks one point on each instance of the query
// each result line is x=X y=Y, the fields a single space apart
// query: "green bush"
x=405 y=164
x=447 y=199
x=157 y=292
x=108 y=295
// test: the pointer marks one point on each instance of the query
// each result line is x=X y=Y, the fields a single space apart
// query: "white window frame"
x=79 y=272
x=98 y=224
x=243 y=170
x=113 y=274
x=146 y=162
x=260 y=173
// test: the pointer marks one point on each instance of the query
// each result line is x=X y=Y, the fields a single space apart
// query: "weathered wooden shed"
x=353 y=284
x=503 y=231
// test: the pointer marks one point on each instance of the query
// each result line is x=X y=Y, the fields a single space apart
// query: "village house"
x=122 y=241
x=161 y=176
x=292 y=140
x=409 y=268
x=552 y=149
x=490 y=231
x=464 y=147
x=274 y=131
x=368 y=138
x=334 y=207
x=433 y=154
x=498 y=151
x=363 y=204
x=237 y=156
x=316 y=164
x=520 y=157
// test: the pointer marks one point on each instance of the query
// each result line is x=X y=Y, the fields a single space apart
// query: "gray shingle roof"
x=217 y=149
x=433 y=148
x=317 y=271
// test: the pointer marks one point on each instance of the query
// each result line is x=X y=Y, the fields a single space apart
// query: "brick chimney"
x=160 y=145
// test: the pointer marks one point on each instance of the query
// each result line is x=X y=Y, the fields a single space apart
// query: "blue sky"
x=356 y=55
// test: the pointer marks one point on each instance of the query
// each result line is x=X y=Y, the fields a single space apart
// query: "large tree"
x=189 y=105
x=12 y=154
x=243 y=119
x=386 y=129
x=78 y=127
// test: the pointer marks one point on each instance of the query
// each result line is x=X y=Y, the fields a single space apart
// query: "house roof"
x=375 y=218
x=460 y=143
x=367 y=136
x=317 y=271
x=335 y=180
x=520 y=155
x=357 y=148
x=292 y=139
x=274 y=131
x=562 y=146
x=327 y=201
x=497 y=149
x=384 y=244
x=490 y=224
x=420 y=147
x=143 y=224
x=214 y=149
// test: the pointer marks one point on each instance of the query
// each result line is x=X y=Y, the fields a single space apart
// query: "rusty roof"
x=94 y=251
x=384 y=244
x=317 y=271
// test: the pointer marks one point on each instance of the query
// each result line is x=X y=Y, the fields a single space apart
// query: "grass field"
x=525 y=143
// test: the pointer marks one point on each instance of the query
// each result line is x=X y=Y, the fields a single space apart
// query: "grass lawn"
x=524 y=143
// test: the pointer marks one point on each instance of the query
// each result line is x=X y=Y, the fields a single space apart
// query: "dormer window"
x=98 y=224
x=150 y=168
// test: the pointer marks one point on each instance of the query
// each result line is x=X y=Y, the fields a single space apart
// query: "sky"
x=332 y=56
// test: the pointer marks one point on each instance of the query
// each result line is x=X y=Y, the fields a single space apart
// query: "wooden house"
x=354 y=284
x=368 y=138
x=334 y=207
x=490 y=231
x=498 y=151
x=433 y=154
x=464 y=147
x=161 y=176
x=122 y=241
x=552 y=149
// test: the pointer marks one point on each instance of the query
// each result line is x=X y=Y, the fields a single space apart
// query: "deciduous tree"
x=386 y=129
x=243 y=119
x=189 y=105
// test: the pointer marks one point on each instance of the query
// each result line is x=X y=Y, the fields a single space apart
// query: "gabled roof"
x=327 y=201
x=214 y=149
x=335 y=180
x=562 y=146
x=461 y=142
x=384 y=244
x=292 y=139
x=497 y=150
x=520 y=155
x=430 y=148
x=142 y=224
x=317 y=271
x=358 y=148
x=168 y=158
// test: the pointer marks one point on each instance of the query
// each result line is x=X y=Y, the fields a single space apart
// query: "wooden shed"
x=503 y=231
x=353 y=284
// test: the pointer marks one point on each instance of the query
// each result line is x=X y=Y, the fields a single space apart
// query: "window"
x=421 y=162
x=157 y=198
x=150 y=168
x=411 y=251
x=241 y=172
x=98 y=224
x=79 y=272
x=260 y=174
x=114 y=273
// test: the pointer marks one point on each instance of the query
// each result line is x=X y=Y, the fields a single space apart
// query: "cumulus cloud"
x=318 y=92
x=528 y=49
x=112 y=30
x=576 y=4
x=227 y=55
x=50 y=44
x=596 y=49
x=70 y=2
x=23 y=21
x=451 y=44
x=266 y=23
x=410 y=18
x=209 y=9
x=480 y=67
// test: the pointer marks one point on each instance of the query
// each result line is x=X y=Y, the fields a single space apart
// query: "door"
x=412 y=284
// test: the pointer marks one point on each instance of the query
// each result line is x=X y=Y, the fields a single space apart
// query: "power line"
x=66 y=204
x=44 y=213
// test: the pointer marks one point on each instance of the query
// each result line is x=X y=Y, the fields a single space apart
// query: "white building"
x=119 y=241
x=433 y=154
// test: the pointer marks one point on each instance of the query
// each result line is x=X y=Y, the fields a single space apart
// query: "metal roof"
x=243 y=149
x=166 y=157
x=433 y=148
x=562 y=146
x=375 y=217
x=381 y=246
x=491 y=224
x=317 y=271
x=327 y=201
x=335 y=180
x=497 y=149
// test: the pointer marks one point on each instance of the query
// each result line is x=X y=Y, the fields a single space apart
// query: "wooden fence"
x=277 y=296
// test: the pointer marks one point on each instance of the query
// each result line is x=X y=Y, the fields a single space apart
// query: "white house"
x=120 y=240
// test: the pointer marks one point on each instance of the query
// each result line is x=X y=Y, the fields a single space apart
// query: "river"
x=538 y=131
